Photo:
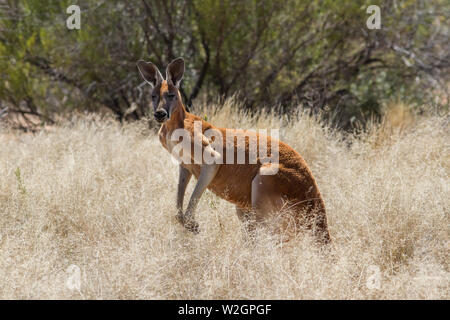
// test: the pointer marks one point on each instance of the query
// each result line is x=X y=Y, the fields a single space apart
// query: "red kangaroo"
x=258 y=196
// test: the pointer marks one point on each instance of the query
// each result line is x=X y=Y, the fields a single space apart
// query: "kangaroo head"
x=165 y=93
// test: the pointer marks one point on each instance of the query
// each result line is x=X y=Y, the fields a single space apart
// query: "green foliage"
x=20 y=184
x=315 y=53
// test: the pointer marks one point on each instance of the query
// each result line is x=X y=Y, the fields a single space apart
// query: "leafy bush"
x=317 y=54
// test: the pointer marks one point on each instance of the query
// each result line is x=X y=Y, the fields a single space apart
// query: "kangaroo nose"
x=160 y=115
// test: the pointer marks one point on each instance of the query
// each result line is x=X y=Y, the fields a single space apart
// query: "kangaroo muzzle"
x=160 y=115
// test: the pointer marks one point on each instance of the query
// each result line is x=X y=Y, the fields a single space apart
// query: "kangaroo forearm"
x=207 y=174
x=183 y=181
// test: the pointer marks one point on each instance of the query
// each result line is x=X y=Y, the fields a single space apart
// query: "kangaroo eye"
x=154 y=96
x=171 y=96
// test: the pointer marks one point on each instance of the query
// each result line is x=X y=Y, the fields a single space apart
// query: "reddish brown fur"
x=233 y=182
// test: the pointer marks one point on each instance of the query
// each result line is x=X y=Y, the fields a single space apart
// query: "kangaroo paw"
x=188 y=223
x=192 y=226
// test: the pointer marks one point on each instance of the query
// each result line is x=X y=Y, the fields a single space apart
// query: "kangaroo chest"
x=165 y=140
x=164 y=136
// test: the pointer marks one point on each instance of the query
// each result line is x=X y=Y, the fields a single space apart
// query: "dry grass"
x=100 y=196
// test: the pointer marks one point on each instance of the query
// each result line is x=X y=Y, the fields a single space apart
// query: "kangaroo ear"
x=149 y=72
x=175 y=71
